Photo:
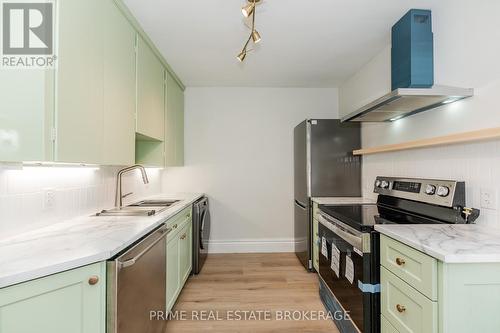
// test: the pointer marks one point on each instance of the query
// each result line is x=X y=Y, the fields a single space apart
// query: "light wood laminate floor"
x=270 y=283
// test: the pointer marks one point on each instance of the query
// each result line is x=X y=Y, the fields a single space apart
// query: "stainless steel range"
x=349 y=247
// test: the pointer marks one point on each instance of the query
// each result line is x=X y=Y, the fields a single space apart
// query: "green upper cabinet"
x=95 y=84
x=149 y=153
x=80 y=92
x=150 y=93
x=174 y=123
x=119 y=87
x=170 y=151
x=26 y=112
x=67 y=302
x=105 y=102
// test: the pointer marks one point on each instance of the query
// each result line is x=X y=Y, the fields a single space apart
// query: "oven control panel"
x=447 y=193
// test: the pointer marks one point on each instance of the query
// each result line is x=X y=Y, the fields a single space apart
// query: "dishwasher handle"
x=132 y=261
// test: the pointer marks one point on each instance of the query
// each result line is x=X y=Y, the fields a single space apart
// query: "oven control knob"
x=443 y=191
x=377 y=183
x=430 y=189
x=384 y=184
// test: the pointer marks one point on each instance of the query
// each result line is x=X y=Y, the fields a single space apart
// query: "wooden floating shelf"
x=480 y=135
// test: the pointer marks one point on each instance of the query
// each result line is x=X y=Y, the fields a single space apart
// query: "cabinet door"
x=150 y=93
x=26 y=112
x=119 y=87
x=315 y=245
x=386 y=327
x=173 y=283
x=174 y=130
x=60 y=303
x=79 y=108
x=185 y=254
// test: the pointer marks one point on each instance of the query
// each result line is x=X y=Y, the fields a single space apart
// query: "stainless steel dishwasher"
x=136 y=285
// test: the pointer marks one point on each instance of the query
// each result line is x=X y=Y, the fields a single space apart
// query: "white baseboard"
x=251 y=246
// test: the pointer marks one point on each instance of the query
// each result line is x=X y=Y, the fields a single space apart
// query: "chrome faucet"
x=119 y=195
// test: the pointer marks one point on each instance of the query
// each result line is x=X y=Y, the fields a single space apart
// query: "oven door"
x=347 y=269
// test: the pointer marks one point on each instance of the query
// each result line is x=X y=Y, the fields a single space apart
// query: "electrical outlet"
x=488 y=198
x=49 y=199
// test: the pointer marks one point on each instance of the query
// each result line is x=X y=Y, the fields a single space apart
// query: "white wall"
x=239 y=150
x=369 y=83
x=466 y=55
x=78 y=191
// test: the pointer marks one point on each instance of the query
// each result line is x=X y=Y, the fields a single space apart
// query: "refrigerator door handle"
x=300 y=204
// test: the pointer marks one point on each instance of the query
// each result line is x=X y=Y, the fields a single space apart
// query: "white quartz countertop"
x=449 y=243
x=77 y=242
x=342 y=200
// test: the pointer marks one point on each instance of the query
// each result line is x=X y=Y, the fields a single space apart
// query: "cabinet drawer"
x=414 y=267
x=177 y=222
x=405 y=308
x=386 y=326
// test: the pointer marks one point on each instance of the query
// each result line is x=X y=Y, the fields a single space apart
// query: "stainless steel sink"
x=141 y=208
x=154 y=203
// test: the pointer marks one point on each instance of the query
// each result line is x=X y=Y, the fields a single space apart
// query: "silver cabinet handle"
x=131 y=262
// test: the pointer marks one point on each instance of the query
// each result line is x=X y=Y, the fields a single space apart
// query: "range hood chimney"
x=412 y=74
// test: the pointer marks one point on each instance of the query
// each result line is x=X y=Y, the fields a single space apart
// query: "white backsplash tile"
x=77 y=191
x=478 y=164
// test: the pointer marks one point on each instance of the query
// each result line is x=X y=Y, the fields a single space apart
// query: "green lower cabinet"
x=386 y=326
x=405 y=308
x=68 y=302
x=185 y=253
x=173 y=269
x=179 y=257
x=467 y=295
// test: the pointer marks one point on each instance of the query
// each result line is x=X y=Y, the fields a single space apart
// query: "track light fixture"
x=249 y=10
x=242 y=55
x=256 y=37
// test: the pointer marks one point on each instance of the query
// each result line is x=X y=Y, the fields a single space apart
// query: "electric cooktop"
x=363 y=217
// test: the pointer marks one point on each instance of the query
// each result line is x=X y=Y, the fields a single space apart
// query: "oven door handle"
x=354 y=240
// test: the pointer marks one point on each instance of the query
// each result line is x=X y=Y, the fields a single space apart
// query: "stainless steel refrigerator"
x=324 y=166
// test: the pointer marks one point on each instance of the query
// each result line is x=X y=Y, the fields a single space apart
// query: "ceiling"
x=305 y=43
